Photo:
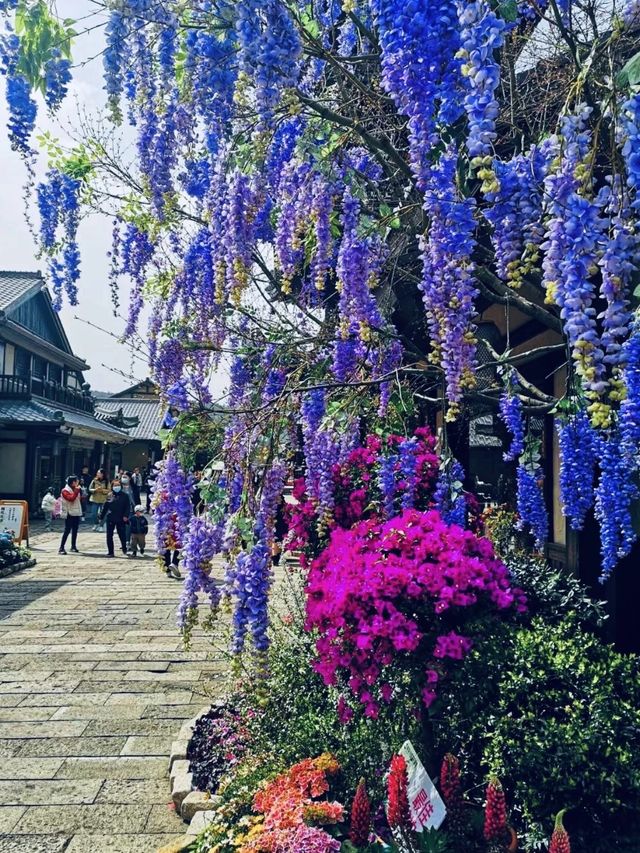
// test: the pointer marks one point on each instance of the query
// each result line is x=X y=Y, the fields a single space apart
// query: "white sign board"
x=426 y=805
x=11 y=518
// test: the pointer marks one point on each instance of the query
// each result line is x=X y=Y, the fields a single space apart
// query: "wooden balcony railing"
x=25 y=387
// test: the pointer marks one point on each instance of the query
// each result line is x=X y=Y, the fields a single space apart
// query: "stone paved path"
x=94 y=686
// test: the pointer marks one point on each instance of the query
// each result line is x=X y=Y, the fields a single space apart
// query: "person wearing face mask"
x=117 y=512
x=127 y=488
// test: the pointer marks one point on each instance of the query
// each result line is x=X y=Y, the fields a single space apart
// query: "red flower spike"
x=397 y=784
x=495 y=813
x=450 y=782
x=560 y=839
x=360 y=816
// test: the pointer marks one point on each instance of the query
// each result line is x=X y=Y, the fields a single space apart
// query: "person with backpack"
x=71 y=512
x=47 y=506
x=139 y=528
x=117 y=510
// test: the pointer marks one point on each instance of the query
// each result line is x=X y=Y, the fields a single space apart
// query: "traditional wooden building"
x=139 y=410
x=48 y=427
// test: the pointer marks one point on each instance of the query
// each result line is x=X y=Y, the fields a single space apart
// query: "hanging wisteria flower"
x=512 y=416
x=578 y=444
x=252 y=577
x=531 y=506
x=482 y=33
x=615 y=493
x=448 y=289
x=202 y=541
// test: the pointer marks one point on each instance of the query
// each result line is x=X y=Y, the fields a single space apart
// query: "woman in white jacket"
x=72 y=512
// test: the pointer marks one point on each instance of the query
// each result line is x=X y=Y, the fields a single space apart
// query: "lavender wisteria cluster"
x=323 y=202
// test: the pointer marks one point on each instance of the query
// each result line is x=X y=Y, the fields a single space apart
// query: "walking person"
x=125 y=481
x=47 y=506
x=117 y=510
x=139 y=530
x=72 y=512
x=84 y=490
x=98 y=491
x=136 y=485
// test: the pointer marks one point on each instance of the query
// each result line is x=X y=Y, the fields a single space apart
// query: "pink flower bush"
x=397 y=591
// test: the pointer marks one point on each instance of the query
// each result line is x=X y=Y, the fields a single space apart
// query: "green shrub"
x=555 y=713
x=297 y=716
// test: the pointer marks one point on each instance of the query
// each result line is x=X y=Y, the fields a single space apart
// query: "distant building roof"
x=149 y=412
x=145 y=389
x=15 y=287
x=32 y=412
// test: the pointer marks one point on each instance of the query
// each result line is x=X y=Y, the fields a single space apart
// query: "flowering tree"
x=327 y=196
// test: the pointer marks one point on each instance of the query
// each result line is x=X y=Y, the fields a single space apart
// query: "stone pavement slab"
x=94 y=687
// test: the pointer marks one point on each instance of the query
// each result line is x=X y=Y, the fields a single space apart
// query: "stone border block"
x=200 y=821
x=182 y=786
x=196 y=801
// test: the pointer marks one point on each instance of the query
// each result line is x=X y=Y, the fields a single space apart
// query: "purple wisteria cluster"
x=252 y=574
x=171 y=502
x=448 y=287
x=202 y=541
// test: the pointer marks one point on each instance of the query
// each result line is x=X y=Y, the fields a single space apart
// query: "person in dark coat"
x=117 y=513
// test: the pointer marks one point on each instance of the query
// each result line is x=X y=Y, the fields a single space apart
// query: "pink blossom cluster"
x=398 y=591
x=359 y=488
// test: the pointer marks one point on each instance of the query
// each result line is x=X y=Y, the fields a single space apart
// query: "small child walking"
x=47 y=506
x=139 y=528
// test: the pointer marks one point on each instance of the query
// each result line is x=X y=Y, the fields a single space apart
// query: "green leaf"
x=630 y=74
x=508 y=10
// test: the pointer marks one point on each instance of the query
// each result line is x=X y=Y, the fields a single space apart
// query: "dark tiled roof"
x=150 y=414
x=84 y=420
x=26 y=412
x=32 y=412
x=14 y=286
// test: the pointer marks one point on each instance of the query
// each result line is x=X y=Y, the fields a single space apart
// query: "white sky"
x=17 y=249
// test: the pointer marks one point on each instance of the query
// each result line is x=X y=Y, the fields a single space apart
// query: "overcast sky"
x=17 y=249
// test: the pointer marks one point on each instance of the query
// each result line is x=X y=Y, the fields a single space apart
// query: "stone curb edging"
x=192 y=805
x=5 y=571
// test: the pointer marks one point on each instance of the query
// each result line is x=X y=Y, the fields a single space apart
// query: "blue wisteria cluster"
x=421 y=70
x=482 y=34
x=615 y=493
x=579 y=447
x=512 y=416
x=448 y=496
x=172 y=505
x=531 y=506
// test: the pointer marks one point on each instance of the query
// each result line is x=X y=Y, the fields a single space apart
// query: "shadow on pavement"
x=17 y=591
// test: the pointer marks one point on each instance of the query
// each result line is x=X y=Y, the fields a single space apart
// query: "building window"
x=72 y=381
x=1 y=356
x=55 y=374
x=38 y=367
x=22 y=363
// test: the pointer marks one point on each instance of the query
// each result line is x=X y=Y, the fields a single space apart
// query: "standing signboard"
x=427 y=808
x=14 y=519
